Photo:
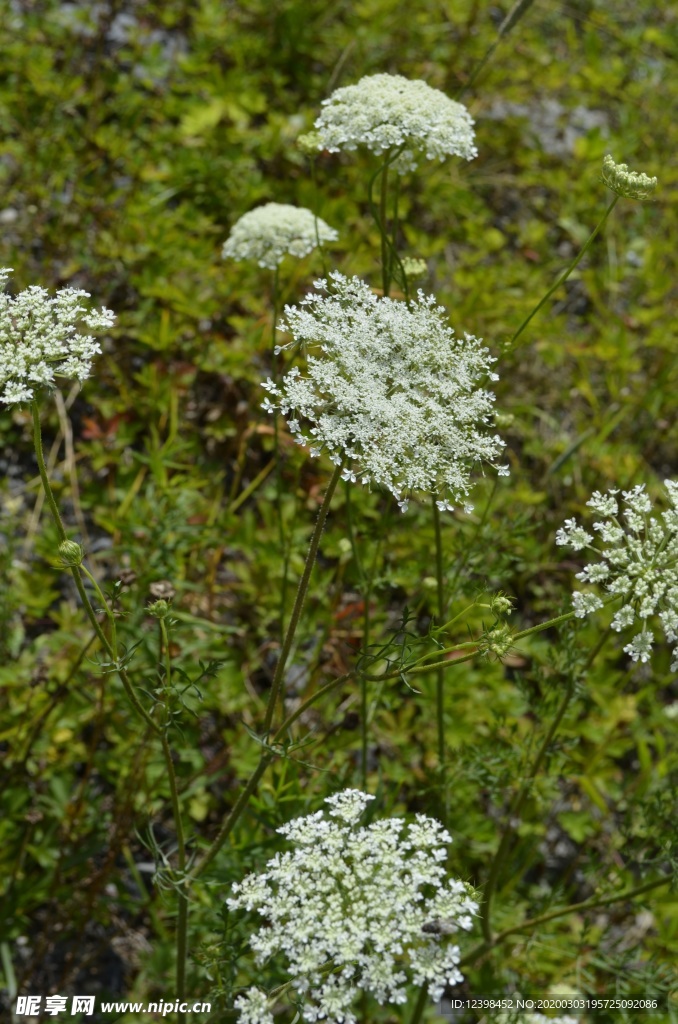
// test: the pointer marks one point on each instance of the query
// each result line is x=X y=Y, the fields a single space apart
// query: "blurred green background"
x=132 y=135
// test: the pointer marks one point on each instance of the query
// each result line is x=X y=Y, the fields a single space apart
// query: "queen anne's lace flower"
x=253 y=1006
x=390 y=389
x=639 y=562
x=357 y=910
x=40 y=339
x=628 y=184
x=384 y=112
x=269 y=232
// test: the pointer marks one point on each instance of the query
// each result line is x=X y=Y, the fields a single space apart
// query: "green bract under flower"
x=40 y=339
x=390 y=390
x=270 y=232
x=628 y=184
x=385 y=112
x=639 y=562
x=356 y=910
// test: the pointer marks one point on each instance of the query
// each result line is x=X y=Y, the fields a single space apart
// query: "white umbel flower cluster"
x=385 y=112
x=268 y=233
x=639 y=562
x=626 y=183
x=40 y=339
x=389 y=389
x=357 y=910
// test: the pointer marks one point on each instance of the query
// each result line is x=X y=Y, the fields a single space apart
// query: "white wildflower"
x=267 y=233
x=628 y=184
x=364 y=903
x=640 y=647
x=385 y=112
x=390 y=389
x=573 y=536
x=639 y=562
x=253 y=1006
x=40 y=339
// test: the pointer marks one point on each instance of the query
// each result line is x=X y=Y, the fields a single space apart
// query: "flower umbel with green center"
x=639 y=562
x=356 y=910
x=390 y=390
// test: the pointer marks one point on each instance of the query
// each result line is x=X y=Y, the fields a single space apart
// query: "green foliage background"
x=131 y=138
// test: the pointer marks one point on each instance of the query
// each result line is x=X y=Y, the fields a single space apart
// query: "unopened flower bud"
x=70 y=553
x=159 y=609
x=310 y=143
x=501 y=604
x=414 y=268
x=628 y=184
x=497 y=641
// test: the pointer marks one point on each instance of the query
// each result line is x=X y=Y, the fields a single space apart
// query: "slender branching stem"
x=512 y=18
x=110 y=647
x=77 y=576
x=440 y=613
x=566 y=273
x=229 y=824
x=591 y=904
x=519 y=801
x=110 y=614
x=302 y=590
x=385 y=254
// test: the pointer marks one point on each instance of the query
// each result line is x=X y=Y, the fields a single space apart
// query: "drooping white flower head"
x=267 y=233
x=639 y=562
x=384 y=112
x=40 y=339
x=626 y=183
x=390 y=389
x=373 y=904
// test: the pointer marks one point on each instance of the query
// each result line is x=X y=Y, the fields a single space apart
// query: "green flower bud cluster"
x=497 y=641
x=159 y=609
x=627 y=184
x=414 y=268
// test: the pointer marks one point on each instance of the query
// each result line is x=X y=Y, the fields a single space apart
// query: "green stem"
x=276 y=686
x=591 y=904
x=77 y=577
x=229 y=824
x=520 y=798
x=365 y=591
x=252 y=487
x=105 y=606
x=182 y=914
x=468 y=548
x=566 y=273
x=110 y=647
x=440 y=679
x=284 y=546
x=420 y=1005
x=385 y=255
x=514 y=15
